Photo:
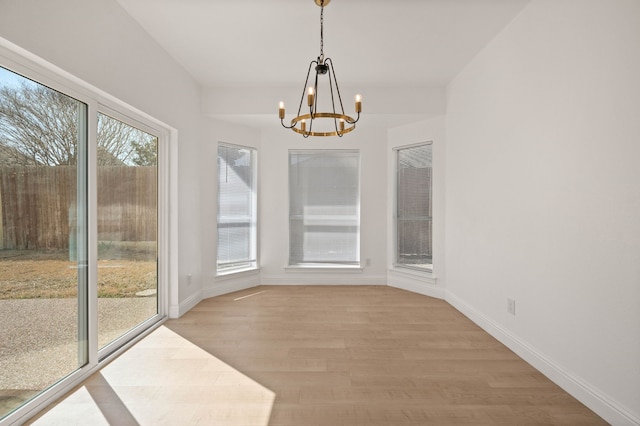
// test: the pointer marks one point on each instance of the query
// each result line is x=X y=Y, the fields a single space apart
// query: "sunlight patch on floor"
x=249 y=295
x=165 y=380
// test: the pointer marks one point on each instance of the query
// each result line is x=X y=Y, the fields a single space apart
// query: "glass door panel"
x=127 y=228
x=43 y=250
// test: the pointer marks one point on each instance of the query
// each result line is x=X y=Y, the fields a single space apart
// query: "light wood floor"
x=321 y=355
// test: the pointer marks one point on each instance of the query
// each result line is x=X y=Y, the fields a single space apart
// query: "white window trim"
x=254 y=266
x=415 y=270
x=395 y=266
x=237 y=273
x=426 y=277
x=329 y=267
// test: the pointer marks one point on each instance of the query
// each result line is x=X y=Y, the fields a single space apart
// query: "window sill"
x=324 y=268
x=249 y=270
x=416 y=269
x=424 y=274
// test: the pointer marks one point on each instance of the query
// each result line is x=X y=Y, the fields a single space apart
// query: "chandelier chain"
x=322 y=31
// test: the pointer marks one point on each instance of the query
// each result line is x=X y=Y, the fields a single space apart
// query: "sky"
x=8 y=78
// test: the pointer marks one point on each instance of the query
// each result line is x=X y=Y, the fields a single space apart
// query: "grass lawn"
x=28 y=274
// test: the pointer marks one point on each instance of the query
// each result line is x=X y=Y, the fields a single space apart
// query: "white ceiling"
x=374 y=44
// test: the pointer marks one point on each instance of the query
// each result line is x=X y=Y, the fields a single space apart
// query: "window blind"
x=414 y=207
x=236 y=207
x=324 y=207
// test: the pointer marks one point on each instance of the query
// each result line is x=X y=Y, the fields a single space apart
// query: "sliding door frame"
x=161 y=243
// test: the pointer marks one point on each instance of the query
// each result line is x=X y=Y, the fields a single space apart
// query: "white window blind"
x=324 y=207
x=236 y=207
x=413 y=203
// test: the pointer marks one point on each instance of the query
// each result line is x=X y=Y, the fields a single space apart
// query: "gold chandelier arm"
x=352 y=120
x=285 y=126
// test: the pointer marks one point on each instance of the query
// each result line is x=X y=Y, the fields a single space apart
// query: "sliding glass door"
x=127 y=228
x=79 y=236
x=43 y=238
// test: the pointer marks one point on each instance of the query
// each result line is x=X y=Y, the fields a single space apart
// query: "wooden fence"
x=39 y=205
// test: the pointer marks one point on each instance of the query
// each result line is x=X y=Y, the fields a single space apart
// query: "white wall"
x=430 y=130
x=543 y=195
x=100 y=43
x=274 y=205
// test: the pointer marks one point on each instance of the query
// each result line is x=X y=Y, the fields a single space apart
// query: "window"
x=237 y=215
x=414 y=207
x=324 y=208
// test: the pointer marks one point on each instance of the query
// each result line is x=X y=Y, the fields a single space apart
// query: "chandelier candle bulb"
x=303 y=126
x=358 y=103
x=341 y=124
x=311 y=96
x=281 y=111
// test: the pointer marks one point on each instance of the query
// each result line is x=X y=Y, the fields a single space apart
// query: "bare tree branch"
x=39 y=126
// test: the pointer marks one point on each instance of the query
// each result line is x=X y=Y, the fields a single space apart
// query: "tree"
x=40 y=126
x=145 y=151
x=122 y=144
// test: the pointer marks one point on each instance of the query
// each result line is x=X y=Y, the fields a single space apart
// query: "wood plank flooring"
x=372 y=355
x=320 y=355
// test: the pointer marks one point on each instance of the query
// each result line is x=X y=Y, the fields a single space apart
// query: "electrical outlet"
x=188 y=279
x=511 y=306
x=367 y=262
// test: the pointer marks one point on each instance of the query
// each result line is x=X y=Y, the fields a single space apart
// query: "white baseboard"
x=230 y=284
x=322 y=279
x=600 y=403
x=176 y=311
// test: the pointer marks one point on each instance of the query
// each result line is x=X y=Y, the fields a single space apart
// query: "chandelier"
x=303 y=123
